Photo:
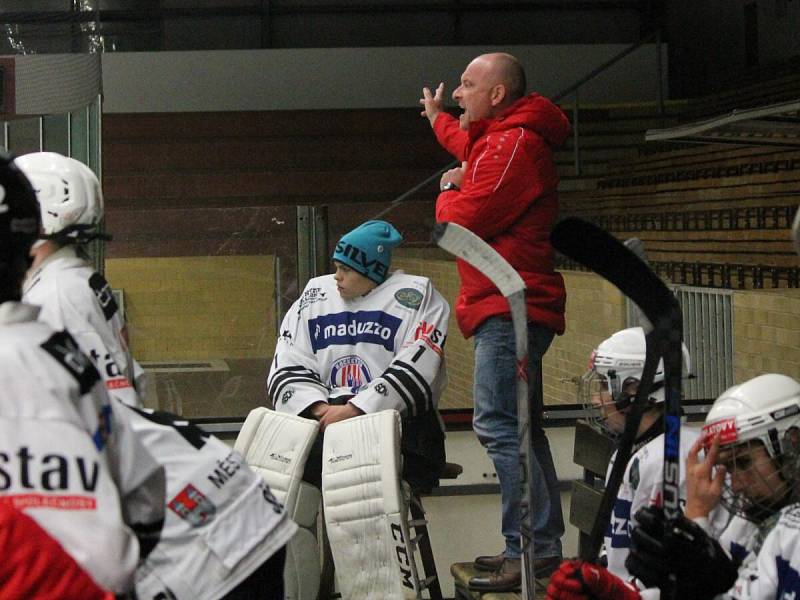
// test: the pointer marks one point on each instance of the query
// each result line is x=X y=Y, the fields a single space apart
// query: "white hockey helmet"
x=68 y=192
x=614 y=366
x=759 y=412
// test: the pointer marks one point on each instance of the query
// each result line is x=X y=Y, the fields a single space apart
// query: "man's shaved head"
x=506 y=69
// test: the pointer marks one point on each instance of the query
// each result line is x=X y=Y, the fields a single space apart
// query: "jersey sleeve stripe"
x=401 y=392
x=417 y=393
x=420 y=379
x=282 y=378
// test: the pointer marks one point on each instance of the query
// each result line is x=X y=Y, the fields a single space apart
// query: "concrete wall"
x=239 y=80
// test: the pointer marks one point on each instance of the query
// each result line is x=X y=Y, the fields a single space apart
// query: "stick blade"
x=464 y=244
x=604 y=254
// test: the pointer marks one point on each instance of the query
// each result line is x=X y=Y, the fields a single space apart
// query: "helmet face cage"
x=759 y=482
x=605 y=397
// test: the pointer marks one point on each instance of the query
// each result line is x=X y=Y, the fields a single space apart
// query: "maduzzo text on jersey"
x=350 y=328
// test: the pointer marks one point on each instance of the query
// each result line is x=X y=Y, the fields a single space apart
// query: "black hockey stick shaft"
x=609 y=258
x=467 y=246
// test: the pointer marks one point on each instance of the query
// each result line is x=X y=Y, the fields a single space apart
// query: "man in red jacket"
x=505 y=192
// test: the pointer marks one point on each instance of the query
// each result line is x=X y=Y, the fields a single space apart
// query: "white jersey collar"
x=67 y=256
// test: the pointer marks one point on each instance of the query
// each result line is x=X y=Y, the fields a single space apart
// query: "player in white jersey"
x=608 y=390
x=752 y=440
x=752 y=465
x=68 y=457
x=374 y=335
x=224 y=533
x=72 y=295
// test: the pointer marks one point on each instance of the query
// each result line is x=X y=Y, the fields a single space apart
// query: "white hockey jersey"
x=641 y=486
x=76 y=298
x=222 y=522
x=772 y=570
x=68 y=456
x=386 y=347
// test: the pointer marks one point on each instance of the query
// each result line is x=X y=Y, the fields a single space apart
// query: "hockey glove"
x=579 y=580
x=700 y=567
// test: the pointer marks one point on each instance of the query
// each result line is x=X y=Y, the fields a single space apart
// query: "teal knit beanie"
x=367 y=249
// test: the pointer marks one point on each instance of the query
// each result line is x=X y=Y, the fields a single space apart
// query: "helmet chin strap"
x=76 y=234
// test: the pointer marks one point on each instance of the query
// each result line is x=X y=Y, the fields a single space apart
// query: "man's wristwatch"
x=450 y=186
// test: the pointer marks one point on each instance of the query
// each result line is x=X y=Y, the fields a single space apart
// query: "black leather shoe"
x=506 y=578
x=489 y=563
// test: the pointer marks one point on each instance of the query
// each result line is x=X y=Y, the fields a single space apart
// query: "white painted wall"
x=336 y=78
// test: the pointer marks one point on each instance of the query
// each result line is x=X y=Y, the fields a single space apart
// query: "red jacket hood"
x=533 y=112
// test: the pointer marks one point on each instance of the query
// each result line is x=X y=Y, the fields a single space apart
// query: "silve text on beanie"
x=367 y=249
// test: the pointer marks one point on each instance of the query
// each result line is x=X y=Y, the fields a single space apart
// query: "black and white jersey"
x=641 y=486
x=386 y=347
x=68 y=456
x=222 y=522
x=772 y=568
x=76 y=298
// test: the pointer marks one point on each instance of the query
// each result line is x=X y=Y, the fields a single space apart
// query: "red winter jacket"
x=508 y=197
x=34 y=565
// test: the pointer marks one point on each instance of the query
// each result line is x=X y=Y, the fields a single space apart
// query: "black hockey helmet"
x=19 y=227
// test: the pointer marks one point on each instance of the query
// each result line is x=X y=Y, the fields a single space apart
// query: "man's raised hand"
x=432 y=102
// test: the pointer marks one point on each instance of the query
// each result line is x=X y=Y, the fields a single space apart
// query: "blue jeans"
x=495 y=423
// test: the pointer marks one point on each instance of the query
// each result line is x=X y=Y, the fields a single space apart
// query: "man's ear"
x=498 y=94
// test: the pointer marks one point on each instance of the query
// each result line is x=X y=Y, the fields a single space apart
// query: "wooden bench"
x=592 y=452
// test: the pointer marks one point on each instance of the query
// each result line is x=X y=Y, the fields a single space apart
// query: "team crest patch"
x=191 y=504
x=409 y=297
x=350 y=372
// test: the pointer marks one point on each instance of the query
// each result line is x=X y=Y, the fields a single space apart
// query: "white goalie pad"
x=366 y=513
x=276 y=446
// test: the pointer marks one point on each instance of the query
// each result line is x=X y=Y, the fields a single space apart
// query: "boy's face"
x=752 y=471
x=351 y=284
x=602 y=400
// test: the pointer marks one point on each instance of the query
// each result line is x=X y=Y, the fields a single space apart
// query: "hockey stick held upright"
x=609 y=258
x=467 y=246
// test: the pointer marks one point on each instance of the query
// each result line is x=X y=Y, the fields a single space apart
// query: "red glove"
x=579 y=580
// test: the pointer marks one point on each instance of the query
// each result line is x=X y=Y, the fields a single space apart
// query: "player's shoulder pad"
x=62 y=347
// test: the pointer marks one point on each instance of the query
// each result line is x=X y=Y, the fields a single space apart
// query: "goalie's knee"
x=366 y=510
x=277 y=446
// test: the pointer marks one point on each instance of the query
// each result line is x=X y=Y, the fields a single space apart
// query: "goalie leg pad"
x=366 y=512
x=276 y=446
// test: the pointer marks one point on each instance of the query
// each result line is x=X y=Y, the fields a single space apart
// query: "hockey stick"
x=636 y=246
x=467 y=246
x=610 y=259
